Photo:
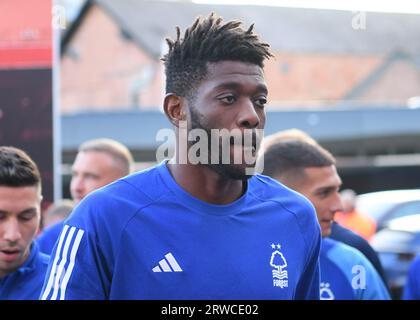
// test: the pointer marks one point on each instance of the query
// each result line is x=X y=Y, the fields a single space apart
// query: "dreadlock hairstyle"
x=209 y=40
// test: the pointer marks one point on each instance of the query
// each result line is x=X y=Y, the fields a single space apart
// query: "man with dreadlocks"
x=196 y=226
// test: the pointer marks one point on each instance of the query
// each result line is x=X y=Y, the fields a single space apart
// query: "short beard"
x=229 y=171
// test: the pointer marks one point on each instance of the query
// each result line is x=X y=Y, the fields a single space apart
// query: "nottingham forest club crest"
x=279 y=265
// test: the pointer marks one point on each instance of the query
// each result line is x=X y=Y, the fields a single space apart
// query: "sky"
x=401 y=6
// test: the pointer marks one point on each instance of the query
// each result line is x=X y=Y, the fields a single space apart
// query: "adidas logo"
x=167 y=265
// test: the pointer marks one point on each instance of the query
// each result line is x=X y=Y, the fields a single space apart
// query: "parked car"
x=384 y=206
x=397 y=245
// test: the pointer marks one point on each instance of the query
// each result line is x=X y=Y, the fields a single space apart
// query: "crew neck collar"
x=199 y=205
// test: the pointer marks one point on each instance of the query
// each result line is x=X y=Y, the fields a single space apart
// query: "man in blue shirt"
x=352 y=239
x=196 y=226
x=298 y=161
x=22 y=266
x=412 y=286
x=98 y=163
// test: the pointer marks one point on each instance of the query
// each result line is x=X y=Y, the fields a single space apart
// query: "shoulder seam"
x=137 y=189
x=134 y=215
x=292 y=213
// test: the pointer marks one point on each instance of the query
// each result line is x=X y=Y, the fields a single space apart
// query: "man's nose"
x=336 y=204
x=12 y=231
x=248 y=117
x=78 y=184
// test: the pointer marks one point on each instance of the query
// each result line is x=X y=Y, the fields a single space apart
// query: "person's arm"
x=374 y=288
x=352 y=239
x=308 y=285
x=412 y=286
x=73 y=271
x=79 y=267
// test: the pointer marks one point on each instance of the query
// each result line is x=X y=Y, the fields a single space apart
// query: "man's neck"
x=206 y=184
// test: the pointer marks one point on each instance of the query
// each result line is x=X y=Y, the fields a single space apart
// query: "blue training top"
x=352 y=239
x=412 y=286
x=346 y=274
x=144 y=237
x=48 y=237
x=26 y=282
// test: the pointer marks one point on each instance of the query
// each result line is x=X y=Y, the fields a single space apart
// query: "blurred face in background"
x=20 y=216
x=321 y=186
x=92 y=170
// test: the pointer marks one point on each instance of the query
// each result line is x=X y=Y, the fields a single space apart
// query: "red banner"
x=26 y=113
x=25 y=34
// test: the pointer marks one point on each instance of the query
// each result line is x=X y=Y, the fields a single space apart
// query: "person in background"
x=299 y=162
x=352 y=239
x=351 y=218
x=98 y=163
x=339 y=232
x=412 y=286
x=54 y=217
x=22 y=265
x=58 y=212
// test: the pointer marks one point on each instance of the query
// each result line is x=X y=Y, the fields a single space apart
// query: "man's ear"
x=175 y=108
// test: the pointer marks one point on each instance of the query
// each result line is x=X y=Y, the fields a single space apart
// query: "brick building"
x=110 y=55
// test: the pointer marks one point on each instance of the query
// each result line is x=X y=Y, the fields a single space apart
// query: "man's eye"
x=27 y=217
x=228 y=99
x=261 y=102
x=325 y=193
x=92 y=177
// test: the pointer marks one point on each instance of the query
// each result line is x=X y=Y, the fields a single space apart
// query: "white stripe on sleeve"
x=62 y=263
x=71 y=264
x=54 y=265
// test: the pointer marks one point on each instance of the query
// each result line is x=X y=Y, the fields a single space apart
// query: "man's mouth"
x=245 y=144
x=9 y=254
x=326 y=221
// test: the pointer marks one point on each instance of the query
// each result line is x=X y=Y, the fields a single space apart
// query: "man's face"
x=231 y=97
x=92 y=170
x=19 y=220
x=321 y=185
